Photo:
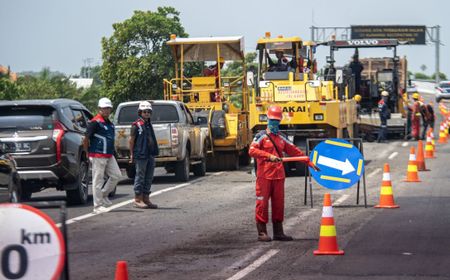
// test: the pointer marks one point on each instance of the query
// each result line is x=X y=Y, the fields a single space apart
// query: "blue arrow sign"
x=340 y=162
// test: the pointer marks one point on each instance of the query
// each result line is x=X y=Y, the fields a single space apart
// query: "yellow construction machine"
x=222 y=102
x=311 y=108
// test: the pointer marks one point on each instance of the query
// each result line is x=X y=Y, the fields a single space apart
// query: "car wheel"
x=79 y=195
x=200 y=169
x=24 y=195
x=182 y=169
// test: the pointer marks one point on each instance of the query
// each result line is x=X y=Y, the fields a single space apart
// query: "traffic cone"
x=412 y=175
x=386 y=195
x=420 y=157
x=121 y=271
x=432 y=140
x=327 y=240
x=429 y=150
x=442 y=136
x=446 y=129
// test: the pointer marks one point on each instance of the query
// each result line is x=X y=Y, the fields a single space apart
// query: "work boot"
x=146 y=200
x=262 y=232
x=138 y=203
x=278 y=233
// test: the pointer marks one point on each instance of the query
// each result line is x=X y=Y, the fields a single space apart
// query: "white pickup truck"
x=183 y=143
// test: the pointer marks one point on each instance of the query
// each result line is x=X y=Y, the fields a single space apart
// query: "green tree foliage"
x=8 y=89
x=421 y=76
x=442 y=76
x=136 y=58
x=234 y=68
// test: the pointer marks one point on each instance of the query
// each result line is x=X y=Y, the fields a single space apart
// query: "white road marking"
x=373 y=173
x=405 y=144
x=257 y=263
x=123 y=203
x=341 y=199
x=393 y=155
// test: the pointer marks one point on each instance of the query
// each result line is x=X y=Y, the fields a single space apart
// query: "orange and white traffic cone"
x=121 y=271
x=442 y=136
x=420 y=159
x=429 y=150
x=412 y=175
x=386 y=194
x=327 y=240
x=432 y=140
x=446 y=128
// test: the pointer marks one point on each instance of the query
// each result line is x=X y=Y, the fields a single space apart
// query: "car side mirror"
x=250 y=78
x=339 y=76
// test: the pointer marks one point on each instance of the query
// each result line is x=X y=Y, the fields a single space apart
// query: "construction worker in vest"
x=99 y=143
x=267 y=148
x=384 y=116
x=143 y=148
x=408 y=110
x=214 y=71
x=415 y=117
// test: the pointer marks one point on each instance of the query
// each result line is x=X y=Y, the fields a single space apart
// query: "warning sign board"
x=31 y=246
x=414 y=34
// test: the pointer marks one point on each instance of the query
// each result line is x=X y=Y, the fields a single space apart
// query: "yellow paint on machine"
x=412 y=168
x=331 y=142
x=337 y=179
x=386 y=191
x=327 y=231
x=360 y=162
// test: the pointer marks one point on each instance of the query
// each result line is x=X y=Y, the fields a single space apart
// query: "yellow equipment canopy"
x=205 y=48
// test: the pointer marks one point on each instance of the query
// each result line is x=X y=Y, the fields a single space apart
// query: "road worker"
x=415 y=117
x=267 y=148
x=143 y=148
x=383 y=110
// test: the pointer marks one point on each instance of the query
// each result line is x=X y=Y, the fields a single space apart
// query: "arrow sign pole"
x=346 y=167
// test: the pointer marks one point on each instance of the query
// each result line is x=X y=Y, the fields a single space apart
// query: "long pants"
x=144 y=175
x=100 y=168
x=273 y=190
x=425 y=127
x=382 y=134
x=415 y=127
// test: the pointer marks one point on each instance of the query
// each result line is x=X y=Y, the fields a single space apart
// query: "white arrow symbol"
x=346 y=167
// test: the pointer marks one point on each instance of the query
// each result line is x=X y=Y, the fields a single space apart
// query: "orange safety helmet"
x=275 y=113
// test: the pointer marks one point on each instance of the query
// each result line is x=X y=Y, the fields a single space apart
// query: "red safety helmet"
x=275 y=113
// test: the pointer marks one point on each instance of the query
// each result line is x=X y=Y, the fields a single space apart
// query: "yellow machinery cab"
x=312 y=108
x=222 y=100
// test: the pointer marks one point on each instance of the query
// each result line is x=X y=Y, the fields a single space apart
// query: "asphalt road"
x=205 y=229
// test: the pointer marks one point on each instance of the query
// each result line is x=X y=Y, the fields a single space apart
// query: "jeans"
x=144 y=175
x=100 y=168
x=382 y=134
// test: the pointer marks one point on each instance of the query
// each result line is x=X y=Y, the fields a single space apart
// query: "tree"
x=136 y=58
x=442 y=76
x=421 y=76
x=8 y=88
x=235 y=68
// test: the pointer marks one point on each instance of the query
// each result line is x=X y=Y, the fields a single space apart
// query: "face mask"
x=274 y=126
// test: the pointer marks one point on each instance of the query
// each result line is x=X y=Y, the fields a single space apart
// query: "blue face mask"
x=274 y=126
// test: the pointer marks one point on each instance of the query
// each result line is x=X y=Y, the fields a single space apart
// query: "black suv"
x=45 y=137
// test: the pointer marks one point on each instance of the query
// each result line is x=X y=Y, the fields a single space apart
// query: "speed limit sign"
x=31 y=246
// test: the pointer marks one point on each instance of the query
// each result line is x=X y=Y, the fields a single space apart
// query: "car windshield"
x=26 y=118
x=161 y=114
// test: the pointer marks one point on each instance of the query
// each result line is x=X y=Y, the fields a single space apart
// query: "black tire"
x=182 y=169
x=200 y=169
x=79 y=195
x=244 y=158
x=24 y=195
x=131 y=171
x=299 y=166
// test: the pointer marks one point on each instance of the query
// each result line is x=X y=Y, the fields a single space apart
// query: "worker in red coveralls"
x=267 y=148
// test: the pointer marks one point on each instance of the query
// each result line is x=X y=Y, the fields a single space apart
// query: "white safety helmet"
x=384 y=93
x=105 y=103
x=145 y=105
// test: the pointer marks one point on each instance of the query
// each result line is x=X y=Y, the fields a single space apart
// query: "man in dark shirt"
x=283 y=64
x=357 y=68
x=99 y=143
x=143 y=149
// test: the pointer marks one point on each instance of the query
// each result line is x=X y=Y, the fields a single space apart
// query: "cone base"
x=411 y=181
x=339 y=252
x=387 y=206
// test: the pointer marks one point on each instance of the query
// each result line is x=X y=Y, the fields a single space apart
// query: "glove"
x=273 y=158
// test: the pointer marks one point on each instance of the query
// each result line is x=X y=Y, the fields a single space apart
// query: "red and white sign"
x=31 y=246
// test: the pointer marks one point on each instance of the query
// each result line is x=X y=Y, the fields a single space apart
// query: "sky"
x=66 y=34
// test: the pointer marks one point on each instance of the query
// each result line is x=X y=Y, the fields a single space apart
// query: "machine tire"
x=200 y=169
x=299 y=167
x=182 y=169
x=79 y=195
x=244 y=158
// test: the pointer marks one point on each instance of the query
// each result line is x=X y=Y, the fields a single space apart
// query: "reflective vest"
x=101 y=143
